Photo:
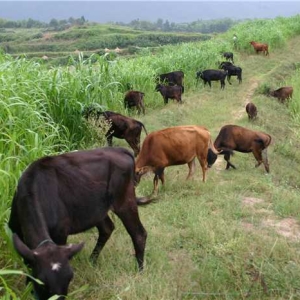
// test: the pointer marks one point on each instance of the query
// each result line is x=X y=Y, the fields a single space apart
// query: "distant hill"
x=126 y=11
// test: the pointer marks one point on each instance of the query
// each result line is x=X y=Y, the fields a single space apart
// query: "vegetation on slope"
x=205 y=240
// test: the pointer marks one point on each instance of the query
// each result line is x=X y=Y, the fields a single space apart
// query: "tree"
x=166 y=26
x=53 y=23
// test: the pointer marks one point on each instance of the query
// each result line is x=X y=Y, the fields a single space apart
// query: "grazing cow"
x=67 y=194
x=122 y=127
x=175 y=146
x=135 y=99
x=228 y=56
x=212 y=75
x=231 y=70
x=282 y=93
x=259 y=47
x=172 y=78
x=237 y=138
x=251 y=111
x=169 y=92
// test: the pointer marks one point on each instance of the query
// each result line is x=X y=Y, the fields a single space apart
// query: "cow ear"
x=72 y=250
x=22 y=249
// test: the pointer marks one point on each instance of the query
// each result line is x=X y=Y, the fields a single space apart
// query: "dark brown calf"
x=283 y=93
x=251 y=110
x=170 y=92
x=122 y=127
x=61 y=195
x=237 y=138
x=135 y=99
x=172 y=78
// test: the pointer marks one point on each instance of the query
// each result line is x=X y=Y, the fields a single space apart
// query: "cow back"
x=173 y=146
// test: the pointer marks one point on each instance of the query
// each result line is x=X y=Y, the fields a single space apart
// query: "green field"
x=234 y=237
x=57 y=46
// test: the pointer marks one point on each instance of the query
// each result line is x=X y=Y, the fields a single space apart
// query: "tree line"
x=201 y=26
x=54 y=23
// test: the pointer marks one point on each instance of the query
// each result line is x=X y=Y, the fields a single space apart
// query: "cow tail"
x=269 y=141
x=226 y=151
x=144 y=200
x=144 y=129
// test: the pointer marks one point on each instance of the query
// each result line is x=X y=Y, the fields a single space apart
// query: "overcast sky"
x=151 y=10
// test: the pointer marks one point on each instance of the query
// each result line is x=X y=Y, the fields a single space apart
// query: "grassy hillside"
x=92 y=38
x=235 y=237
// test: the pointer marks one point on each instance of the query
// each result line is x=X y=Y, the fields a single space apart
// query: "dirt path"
x=286 y=227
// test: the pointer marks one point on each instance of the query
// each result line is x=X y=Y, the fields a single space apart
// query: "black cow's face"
x=211 y=158
x=158 y=87
x=50 y=265
x=198 y=75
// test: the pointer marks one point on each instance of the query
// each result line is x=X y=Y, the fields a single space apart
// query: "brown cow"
x=282 y=93
x=251 y=111
x=174 y=146
x=122 y=127
x=135 y=99
x=237 y=138
x=259 y=47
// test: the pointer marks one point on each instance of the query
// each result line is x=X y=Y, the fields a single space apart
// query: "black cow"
x=212 y=75
x=172 y=78
x=232 y=70
x=67 y=194
x=122 y=127
x=169 y=92
x=228 y=56
x=135 y=99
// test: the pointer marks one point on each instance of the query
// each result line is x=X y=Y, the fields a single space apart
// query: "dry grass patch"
x=287 y=227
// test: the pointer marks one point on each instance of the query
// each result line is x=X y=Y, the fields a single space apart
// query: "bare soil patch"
x=287 y=227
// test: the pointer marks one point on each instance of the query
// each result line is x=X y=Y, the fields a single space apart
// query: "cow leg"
x=105 y=228
x=109 y=140
x=143 y=107
x=222 y=84
x=158 y=174
x=128 y=214
x=209 y=83
x=203 y=164
x=228 y=79
x=265 y=160
x=191 y=166
x=261 y=157
x=134 y=144
x=229 y=164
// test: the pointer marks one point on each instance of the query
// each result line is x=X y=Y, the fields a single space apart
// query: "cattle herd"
x=70 y=193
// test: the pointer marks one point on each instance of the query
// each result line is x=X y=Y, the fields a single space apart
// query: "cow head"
x=211 y=157
x=50 y=264
x=199 y=75
x=158 y=87
x=139 y=172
